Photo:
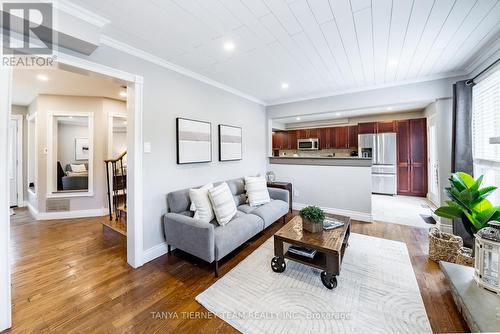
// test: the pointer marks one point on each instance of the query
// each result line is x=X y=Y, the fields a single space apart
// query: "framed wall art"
x=194 y=141
x=230 y=143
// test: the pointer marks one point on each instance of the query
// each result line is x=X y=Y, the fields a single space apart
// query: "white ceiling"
x=317 y=46
x=26 y=87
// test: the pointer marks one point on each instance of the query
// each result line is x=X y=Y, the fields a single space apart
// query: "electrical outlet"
x=296 y=193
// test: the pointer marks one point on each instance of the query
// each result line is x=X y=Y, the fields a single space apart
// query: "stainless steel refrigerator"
x=382 y=149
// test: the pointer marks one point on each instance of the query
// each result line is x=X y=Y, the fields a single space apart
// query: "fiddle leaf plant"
x=313 y=214
x=468 y=202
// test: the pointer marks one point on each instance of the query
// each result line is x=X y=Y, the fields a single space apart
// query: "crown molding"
x=366 y=88
x=81 y=13
x=115 y=44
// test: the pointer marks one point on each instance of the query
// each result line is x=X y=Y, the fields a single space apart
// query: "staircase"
x=116 y=177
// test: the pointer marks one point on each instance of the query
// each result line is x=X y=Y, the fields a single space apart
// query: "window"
x=486 y=125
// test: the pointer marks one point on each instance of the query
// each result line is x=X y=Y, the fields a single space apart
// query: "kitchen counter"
x=322 y=161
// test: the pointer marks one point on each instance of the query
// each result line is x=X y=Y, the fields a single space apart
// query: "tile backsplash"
x=319 y=153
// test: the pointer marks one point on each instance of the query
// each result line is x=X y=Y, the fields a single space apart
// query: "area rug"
x=377 y=292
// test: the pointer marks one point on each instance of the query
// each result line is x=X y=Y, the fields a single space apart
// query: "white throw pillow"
x=205 y=187
x=78 y=168
x=199 y=197
x=257 y=192
x=222 y=203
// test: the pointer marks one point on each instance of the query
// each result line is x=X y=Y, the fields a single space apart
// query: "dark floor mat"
x=428 y=219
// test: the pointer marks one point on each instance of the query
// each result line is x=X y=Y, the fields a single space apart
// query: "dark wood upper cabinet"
x=324 y=138
x=341 y=137
x=384 y=127
x=353 y=136
x=412 y=157
x=302 y=134
x=364 y=128
x=292 y=140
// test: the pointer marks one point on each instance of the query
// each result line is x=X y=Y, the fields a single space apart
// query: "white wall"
x=443 y=110
x=119 y=142
x=168 y=95
x=418 y=92
x=337 y=189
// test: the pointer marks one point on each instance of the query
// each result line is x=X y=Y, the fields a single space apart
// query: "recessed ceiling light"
x=389 y=108
x=229 y=46
x=297 y=118
x=123 y=93
x=337 y=114
x=42 y=77
x=285 y=85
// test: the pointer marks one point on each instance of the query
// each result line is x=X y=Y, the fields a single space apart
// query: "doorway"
x=134 y=86
x=14 y=149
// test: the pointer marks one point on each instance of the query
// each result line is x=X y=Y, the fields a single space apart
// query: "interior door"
x=418 y=156
x=13 y=162
x=403 y=156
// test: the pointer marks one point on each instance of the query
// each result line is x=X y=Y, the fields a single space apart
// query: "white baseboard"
x=355 y=215
x=154 y=252
x=66 y=214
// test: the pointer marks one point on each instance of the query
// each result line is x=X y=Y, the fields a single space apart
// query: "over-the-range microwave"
x=308 y=144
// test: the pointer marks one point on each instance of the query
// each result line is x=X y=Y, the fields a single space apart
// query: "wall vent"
x=57 y=205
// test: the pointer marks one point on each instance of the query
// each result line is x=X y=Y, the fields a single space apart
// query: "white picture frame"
x=194 y=141
x=230 y=143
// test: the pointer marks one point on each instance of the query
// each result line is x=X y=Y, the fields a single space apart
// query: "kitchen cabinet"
x=412 y=157
x=352 y=136
x=341 y=137
x=324 y=138
x=302 y=134
x=366 y=128
x=285 y=140
x=384 y=127
x=292 y=140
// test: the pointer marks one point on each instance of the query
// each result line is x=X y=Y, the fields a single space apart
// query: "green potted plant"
x=312 y=219
x=468 y=203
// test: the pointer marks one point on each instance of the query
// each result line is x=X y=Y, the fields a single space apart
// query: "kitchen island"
x=339 y=185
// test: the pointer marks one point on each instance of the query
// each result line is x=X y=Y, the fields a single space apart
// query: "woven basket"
x=464 y=257
x=443 y=246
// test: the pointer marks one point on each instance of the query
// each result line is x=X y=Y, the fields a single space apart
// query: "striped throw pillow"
x=222 y=203
x=257 y=192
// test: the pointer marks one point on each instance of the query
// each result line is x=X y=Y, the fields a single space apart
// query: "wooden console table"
x=286 y=186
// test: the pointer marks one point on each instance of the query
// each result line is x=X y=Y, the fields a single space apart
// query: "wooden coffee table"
x=330 y=246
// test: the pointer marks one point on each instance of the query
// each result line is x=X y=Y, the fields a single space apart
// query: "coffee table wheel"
x=328 y=280
x=278 y=264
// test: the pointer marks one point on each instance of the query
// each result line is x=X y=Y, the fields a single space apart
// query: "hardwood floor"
x=71 y=276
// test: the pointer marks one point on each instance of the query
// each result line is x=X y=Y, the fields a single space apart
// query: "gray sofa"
x=212 y=242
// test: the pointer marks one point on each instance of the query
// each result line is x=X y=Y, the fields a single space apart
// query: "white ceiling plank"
x=305 y=17
x=363 y=21
x=304 y=42
x=397 y=35
x=358 y=5
x=381 y=14
x=439 y=15
x=472 y=21
x=319 y=46
x=321 y=10
x=257 y=7
x=244 y=15
x=459 y=14
x=284 y=15
x=279 y=32
x=478 y=38
x=345 y=22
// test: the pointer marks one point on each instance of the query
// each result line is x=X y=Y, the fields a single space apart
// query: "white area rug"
x=377 y=292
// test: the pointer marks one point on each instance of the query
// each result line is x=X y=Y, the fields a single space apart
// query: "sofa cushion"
x=201 y=203
x=232 y=235
x=237 y=187
x=245 y=208
x=271 y=211
x=256 y=188
x=222 y=203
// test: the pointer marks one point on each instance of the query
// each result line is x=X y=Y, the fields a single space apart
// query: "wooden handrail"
x=117 y=159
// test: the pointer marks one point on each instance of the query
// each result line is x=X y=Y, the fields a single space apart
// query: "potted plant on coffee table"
x=312 y=219
x=468 y=203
